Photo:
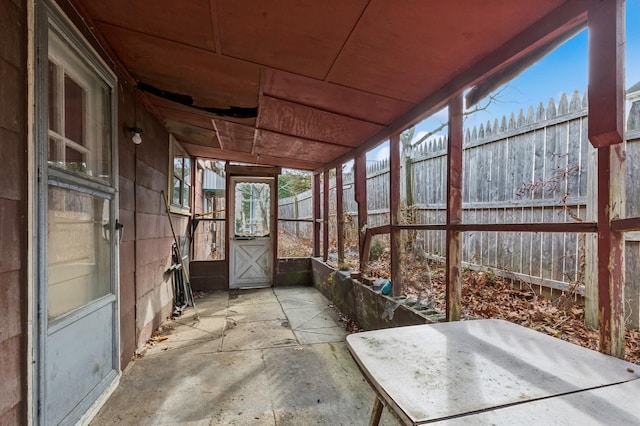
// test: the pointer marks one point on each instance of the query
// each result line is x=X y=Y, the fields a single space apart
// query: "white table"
x=496 y=372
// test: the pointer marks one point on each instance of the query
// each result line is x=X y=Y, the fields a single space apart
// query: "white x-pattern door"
x=251 y=242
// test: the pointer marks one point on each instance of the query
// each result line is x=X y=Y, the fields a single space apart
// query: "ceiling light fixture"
x=135 y=131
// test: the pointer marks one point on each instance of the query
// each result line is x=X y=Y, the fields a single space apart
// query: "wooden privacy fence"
x=533 y=167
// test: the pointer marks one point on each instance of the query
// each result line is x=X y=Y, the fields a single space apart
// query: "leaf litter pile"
x=486 y=295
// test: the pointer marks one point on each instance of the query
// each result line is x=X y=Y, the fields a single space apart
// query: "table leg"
x=376 y=412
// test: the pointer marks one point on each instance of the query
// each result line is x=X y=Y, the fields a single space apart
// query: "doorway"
x=251 y=238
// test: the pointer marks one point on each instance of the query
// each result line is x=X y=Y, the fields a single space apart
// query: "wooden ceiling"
x=308 y=83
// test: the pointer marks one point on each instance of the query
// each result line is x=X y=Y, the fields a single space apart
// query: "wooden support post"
x=275 y=225
x=394 y=207
x=365 y=250
x=606 y=118
x=325 y=216
x=361 y=199
x=340 y=214
x=454 y=211
x=229 y=220
x=316 y=215
x=611 y=267
x=606 y=72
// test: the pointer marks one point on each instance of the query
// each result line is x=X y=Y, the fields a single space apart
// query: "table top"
x=433 y=372
x=610 y=405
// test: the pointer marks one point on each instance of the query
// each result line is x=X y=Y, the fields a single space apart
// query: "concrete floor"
x=256 y=357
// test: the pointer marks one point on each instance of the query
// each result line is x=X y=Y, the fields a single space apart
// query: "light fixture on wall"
x=135 y=131
x=136 y=135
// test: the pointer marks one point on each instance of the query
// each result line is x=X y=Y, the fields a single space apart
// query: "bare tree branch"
x=490 y=100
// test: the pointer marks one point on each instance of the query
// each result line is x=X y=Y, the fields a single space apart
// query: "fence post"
x=407 y=163
x=394 y=207
x=361 y=199
x=454 y=210
x=407 y=183
x=591 y=244
x=296 y=215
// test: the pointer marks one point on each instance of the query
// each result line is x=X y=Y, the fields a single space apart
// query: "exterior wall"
x=126 y=163
x=146 y=294
x=153 y=233
x=13 y=198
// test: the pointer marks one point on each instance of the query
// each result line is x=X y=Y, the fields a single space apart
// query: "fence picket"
x=530 y=116
x=520 y=122
x=576 y=102
x=551 y=109
x=540 y=113
x=563 y=106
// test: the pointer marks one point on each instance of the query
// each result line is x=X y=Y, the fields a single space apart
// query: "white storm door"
x=251 y=243
x=78 y=356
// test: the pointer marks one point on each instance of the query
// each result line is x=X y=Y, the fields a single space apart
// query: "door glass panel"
x=54 y=155
x=75 y=159
x=79 y=114
x=78 y=250
x=74 y=111
x=252 y=209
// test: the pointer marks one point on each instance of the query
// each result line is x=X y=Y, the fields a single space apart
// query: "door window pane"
x=79 y=114
x=74 y=111
x=252 y=209
x=54 y=154
x=78 y=250
x=75 y=160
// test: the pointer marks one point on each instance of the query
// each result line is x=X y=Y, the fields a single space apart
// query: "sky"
x=562 y=71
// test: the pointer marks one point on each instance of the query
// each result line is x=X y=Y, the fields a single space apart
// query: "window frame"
x=185 y=179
